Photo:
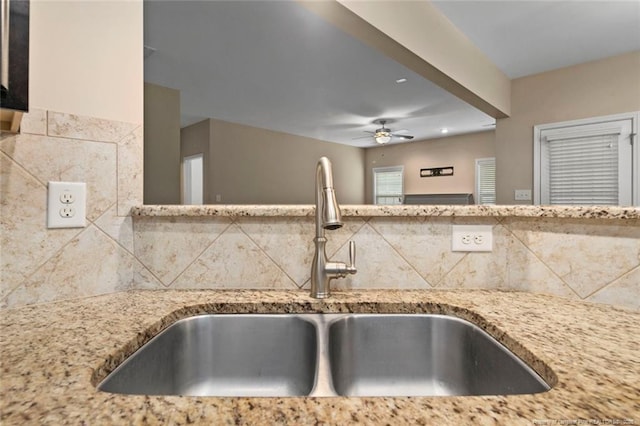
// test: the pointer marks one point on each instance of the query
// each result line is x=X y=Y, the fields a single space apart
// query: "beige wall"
x=194 y=139
x=457 y=151
x=85 y=58
x=248 y=165
x=604 y=87
x=161 y=145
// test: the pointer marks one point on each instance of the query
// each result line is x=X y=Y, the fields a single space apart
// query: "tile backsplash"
x=584 y=259
x=40 y=264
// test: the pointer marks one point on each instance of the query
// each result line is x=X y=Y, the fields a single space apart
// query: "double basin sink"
x=323 y=355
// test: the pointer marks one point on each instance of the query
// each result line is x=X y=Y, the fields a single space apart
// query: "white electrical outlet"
x=66 y=205
x=471 y=238
x=67 y=197
x=67 y=212
x=522 y=194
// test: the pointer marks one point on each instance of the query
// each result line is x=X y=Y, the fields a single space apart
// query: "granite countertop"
x=52 y=355
x=575 y=212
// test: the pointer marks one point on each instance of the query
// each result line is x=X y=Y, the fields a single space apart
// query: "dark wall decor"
x=437 y=171
x=14 y=53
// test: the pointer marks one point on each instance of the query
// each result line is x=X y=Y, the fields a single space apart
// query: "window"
x=486 y=180
x=587 y=162
x=387 y=185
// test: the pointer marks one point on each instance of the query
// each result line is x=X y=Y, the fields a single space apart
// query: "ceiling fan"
x=384 y=134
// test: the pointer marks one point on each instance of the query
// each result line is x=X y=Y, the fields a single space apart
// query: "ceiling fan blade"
x=371 y=134
x=407 y=137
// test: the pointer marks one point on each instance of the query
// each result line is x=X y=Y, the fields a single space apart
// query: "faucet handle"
x=352 y=256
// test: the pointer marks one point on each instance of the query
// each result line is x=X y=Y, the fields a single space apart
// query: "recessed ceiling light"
x=401 y=80
x=444 y=130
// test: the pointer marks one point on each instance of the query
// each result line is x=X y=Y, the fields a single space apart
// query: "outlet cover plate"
x=522 y=195
x=66 y=205
x=472 y=238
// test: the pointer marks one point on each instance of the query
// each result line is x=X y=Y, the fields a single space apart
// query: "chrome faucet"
x=327 y=217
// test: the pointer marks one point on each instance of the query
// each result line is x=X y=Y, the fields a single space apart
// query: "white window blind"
x=388 y=185
x=486 y=180
x=590 y=162
x=583 y=170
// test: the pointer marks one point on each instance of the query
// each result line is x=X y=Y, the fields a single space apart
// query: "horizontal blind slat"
x=486 y=181
x=583 y=170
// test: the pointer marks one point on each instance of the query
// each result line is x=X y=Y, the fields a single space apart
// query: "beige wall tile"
x=379 y=265
x=58 y=159
x=482 y=269
x=34 y=122
x=143 y=279
x=425 y=243
x=87 y=128
x=120 y=228
x=26 y=242
x=166 y=246
x=586 y=255
x=75 y=272
x=525 y=272
x=234 y=261
x=289 y=241
x=625 y=291
x=130 y=171
x=8 y=144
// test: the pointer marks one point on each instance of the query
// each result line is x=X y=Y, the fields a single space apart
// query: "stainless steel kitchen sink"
x=223 y=355
x=323 y=355
x=423 y=355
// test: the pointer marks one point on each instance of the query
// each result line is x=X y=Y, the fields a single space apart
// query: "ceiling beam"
x=417 y=35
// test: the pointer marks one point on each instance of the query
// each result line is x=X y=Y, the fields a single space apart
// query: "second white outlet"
x=472 y=238
x=66 y=205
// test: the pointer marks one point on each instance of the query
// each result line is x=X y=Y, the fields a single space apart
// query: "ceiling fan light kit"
x=384 y=135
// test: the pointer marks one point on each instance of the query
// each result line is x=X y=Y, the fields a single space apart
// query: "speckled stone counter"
x=52 y=355
x=575 y=212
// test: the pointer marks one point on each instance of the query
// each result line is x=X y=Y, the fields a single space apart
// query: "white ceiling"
x=529 y=37
x=276 y=65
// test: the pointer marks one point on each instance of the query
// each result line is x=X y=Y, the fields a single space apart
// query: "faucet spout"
x=327 y=210
x=328 y=217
